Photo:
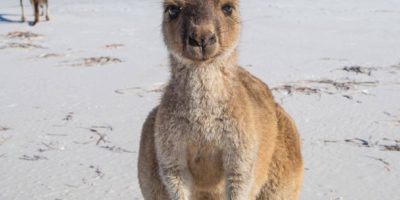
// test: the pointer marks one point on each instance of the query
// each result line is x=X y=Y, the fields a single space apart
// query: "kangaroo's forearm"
x=174 y=180
x=240 y=173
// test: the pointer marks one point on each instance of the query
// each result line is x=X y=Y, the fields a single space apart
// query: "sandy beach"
x=75 y=91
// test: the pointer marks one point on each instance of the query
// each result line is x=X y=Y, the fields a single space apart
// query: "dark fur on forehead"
x=199 y=9
x=184 y=3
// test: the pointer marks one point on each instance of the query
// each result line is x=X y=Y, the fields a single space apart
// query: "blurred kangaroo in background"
x=36 y=4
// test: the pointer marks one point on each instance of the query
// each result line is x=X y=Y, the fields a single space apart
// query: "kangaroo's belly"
x=205 y=166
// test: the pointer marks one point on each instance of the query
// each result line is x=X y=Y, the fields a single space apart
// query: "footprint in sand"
x=386 y=164
x=394 y=119
x=141 y=91
x=360 y=70
x=394 y=69
x=32 y=158
x=3 y=138
x=384 y=145
x=3 y=128
x=50 y=55
x=291 y=89
x=18 y=45
x=114 y=46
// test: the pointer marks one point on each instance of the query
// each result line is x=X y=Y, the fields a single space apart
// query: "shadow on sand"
x=5 y=19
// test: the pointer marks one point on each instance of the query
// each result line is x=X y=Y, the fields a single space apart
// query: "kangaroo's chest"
x=200 y=106
x=207 y=122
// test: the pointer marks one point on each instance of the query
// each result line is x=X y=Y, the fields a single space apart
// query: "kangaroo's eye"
x=227 y=9
x=173 y=11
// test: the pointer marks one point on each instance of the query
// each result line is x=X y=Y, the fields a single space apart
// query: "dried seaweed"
x=32 y=158
x=359 y=70
x=16 y=45
x=23 y=35
x=97 y=61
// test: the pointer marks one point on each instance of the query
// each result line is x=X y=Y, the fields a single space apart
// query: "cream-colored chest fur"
x=201 y=97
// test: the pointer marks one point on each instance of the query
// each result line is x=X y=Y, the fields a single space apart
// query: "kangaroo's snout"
x=202 y=40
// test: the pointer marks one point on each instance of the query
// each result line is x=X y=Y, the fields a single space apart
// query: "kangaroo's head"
x=201 y=30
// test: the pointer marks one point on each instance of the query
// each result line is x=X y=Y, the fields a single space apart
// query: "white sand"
x=70 y=128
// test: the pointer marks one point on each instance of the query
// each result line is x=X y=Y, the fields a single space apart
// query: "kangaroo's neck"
x=203 y=84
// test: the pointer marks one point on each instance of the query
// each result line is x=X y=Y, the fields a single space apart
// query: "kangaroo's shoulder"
x=254 y=87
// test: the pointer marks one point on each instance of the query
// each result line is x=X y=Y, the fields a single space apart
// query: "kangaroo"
x=218 y=132
x=36 y=4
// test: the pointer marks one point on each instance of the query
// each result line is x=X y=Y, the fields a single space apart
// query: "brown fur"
x=37 y=4
x=217 y=133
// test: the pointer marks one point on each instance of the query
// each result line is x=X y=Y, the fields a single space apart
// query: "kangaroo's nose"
x=202 y=41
